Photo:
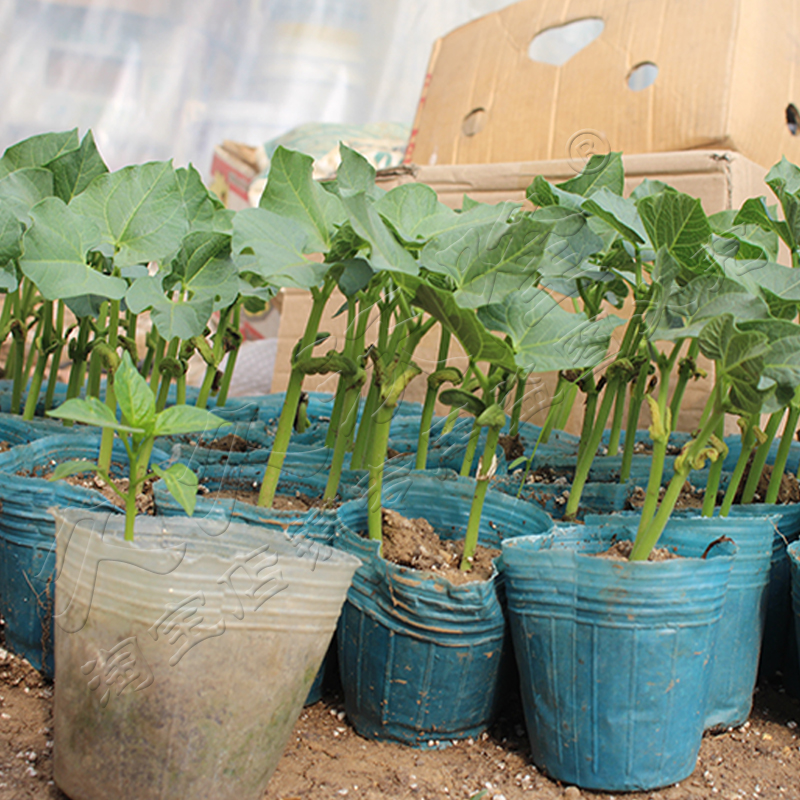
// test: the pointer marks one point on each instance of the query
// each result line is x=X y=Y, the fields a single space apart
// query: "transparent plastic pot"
x=183 y=658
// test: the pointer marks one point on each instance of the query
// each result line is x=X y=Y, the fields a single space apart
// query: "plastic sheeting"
x=157 y=79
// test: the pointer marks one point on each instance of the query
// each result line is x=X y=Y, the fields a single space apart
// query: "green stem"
x=107 y=442
x=553 y=413
x=589 y=411
x=95 y=360
x=472 y=446
x=19 y=366
x=138 y=474
x=748 y=440
x=634 y=409
x=714 y=475
x=783 y=454
x=280 y=446
x=79 y=362
x=380 y=439
x=646 y=539
x=683 y=380
x=33 y=353
x=587 y=457
x=429 y=405
x=166 y=378
x=481 y=485
x=230 y=364
x=760 y=458
x=616 y=422
x=55 y=362
x=211 y=369
x=349 y=411
x=158 y=357
x=516 y=409
x=566 y=406
x=343 y=383
x=41 y=363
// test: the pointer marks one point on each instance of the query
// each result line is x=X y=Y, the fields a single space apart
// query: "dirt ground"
x=325 y=758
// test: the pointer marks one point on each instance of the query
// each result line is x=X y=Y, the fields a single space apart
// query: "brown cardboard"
x=727 y=72
x=233 y=168
x=721 y=179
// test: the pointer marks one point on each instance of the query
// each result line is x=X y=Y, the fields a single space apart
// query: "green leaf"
x=492 y=417
x=619 y=212
x=541 y=193
x=180 y=317
x=705 y=297
x=782 y=365
x=386 y=253
x=67 y=468
x=292 y=193
x=355 y=276
x=647 y=188
x=415 y=212
x=186 y=419
x=355 y=174
x=91 y=411
x=739 y=361
x=38 y=150
x=676 y=221
x=570 y=244
x=784 y=177
x=462 y=399
x=181 y=483
x=271 y=247
x=764 y=278
x=139 y=211
x=601 y=171
x=54 y=254
x=22 y=190
x=545 y=336
x=490 y=260
x=203 y=209
x=462 y=323
x=10 y=236
x=203 y=267
x=136 y=400
x=75 y=169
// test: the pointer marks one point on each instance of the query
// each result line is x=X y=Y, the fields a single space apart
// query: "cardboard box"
x=727 y=71
x=233 y=168
x=721 y=179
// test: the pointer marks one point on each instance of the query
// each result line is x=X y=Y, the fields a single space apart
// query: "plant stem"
x=590 y=407
x=760 y=458
x=158 y=356
x=481 y=486
x=365 y=426
x=783 y=454
x=516 y=409
x=166 y=378
x=138 y=473
x=553 y=413
x=748 y=439
x=107 y=441
x=41 y=363
x=429 y=405
x=55 y=363
x=714 y=475
x=342 y=385
x=683 y=380
x=78 y=362
x=587 y=457
x=230 y=364
x=95 y=360
x=272 y=473
x=469 y=453
x=647 y=538
x=634 y=408
x=380 y=439
x=349 y=410
x=616 y=422
x=211 y=369
x=566 y=406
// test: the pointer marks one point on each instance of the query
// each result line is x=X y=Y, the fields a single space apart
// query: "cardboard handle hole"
x=558 y=45
x=642 y=76
x=792 y=118
x=474 y=121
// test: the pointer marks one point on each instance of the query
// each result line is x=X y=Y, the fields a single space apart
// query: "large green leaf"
x=181 y=483
x=38 y=150
x=755 y=242
x=600 y=172
x=292 y=193
x=690 y=307
x=203 y=209
x=739 y=361
x=570 y=244
x=545 y=336
x=784 y=177
x=415 y=212
x=186 y=419
x=762 y=277
x=676 y=221
x=542 y=193
x=272 y=247
x=75 y=169
x=139 y=210
x=23 y=189
x=11 y=230
x=203 y=268
x=173 y=317
x=355 y=175
x=489 y=261
x=619 y=212
x=782 y=365
x=54 y=254
x=91 y=411
x=463 y=323
x=135 y=398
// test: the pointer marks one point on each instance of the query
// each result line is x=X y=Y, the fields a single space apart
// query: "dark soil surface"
x=230 y=444
x=296 y=502
x=325 y=758
x=548 y=475
x=789 y=491
x=512 y=446
x=621 y=551
x=414 y=543
x=690 y=497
